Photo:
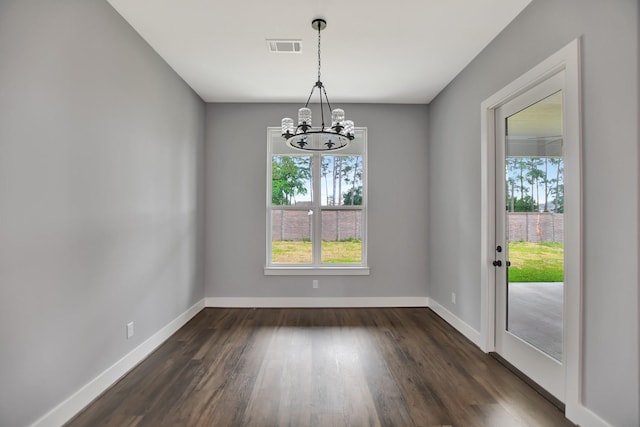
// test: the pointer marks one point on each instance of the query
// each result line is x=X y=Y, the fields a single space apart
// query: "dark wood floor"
x=319 y=367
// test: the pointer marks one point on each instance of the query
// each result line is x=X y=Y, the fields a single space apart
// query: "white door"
x=529 y=241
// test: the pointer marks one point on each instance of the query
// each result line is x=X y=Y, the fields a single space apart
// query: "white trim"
x=583 y=416
x=567 y=59
x=459 y=324
x=487 y=226
x=316 y=267
x=319 y=302
x=81 y=398
x=316 y=271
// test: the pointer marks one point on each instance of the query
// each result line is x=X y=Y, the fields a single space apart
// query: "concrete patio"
x=535 y=315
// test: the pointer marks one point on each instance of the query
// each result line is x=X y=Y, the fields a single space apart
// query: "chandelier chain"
x=319 y=53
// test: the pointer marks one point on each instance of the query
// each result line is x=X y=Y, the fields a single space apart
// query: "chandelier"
x=305 y=136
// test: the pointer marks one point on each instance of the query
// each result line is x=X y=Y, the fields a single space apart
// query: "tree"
x=533 y=177
x=511 y=182
x=558 y=201
x=511 y=186
x=341 y=175
x=337 y=178
x=324 y=170
x=558 y=191
x=352 y=172
x=288 y=177
x=525 y=204
x=304 y=165
x=545 y=182
x=521 y=164
x=353 y=196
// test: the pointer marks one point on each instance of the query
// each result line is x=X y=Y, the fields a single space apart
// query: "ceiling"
x=536 y=131
x=401 y=51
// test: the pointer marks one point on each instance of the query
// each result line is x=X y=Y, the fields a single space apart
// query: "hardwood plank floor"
x=319 y=367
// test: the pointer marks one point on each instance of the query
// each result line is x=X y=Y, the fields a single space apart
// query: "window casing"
x=316 y=209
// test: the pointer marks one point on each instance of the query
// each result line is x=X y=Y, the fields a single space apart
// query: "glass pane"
x=291 y=232
x=341 y=236
x=291 y=181
x=535 y=224
x=341 y=180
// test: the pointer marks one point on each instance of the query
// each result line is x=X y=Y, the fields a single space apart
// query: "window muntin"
x=323 y=231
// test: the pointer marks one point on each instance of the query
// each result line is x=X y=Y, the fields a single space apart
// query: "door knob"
x=497 y=263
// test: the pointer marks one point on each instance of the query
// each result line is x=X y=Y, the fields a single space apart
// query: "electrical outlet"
x=453 y=297
x=129 y=330
x=315 y=283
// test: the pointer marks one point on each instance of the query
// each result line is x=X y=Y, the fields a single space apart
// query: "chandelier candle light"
x=308 y=138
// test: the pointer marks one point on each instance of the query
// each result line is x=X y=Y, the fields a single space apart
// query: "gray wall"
x=100 y=198
x=236 y=151
x=609 y=33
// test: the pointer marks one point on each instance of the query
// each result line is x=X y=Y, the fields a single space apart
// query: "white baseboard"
x=321 y=302
x=81 y=398
x=583 y=416
x=462 y=327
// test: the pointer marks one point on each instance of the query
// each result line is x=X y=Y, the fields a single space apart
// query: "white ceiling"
x=400 y=51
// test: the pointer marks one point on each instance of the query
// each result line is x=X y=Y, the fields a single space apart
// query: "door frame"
x=567 y=59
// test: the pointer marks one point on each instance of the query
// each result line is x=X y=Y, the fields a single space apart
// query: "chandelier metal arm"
x=310 y=95
x=321 y=106
x=327 y=98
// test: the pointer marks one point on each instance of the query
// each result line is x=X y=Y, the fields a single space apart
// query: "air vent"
x=284 y=46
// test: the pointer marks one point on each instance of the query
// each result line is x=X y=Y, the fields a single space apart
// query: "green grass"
x=536 y=262
x=291 y=252
x=346 y=251
x=299 y=252
x=530 y=262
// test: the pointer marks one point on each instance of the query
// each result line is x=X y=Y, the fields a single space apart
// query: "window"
x=316 y=209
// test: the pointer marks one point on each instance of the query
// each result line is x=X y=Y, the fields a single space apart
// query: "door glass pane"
x=291 y=232
x=535 y=224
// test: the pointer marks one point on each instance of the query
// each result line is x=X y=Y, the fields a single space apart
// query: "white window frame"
x=316 y=268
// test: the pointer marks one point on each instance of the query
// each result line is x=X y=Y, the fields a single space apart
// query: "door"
x=529 y=241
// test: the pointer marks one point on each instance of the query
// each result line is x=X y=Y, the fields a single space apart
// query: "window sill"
x=316 y=271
